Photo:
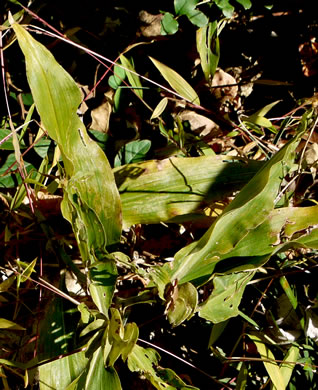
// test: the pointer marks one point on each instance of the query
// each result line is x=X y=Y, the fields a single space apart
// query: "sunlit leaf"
x=177 y=82
x=248 y=210
x=120 y=339
x=226 y=296
x=178 y=189
x=208 y=47
x=287 y=367
x=270 y=364
x=132 y=76
x=7 y=324
x=103 y=275
x=91 y=198
x=184 y=305
x=159 y=108
x=145 y=361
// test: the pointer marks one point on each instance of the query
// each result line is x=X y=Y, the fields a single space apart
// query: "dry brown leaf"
x=201 y=125
x=101 y=114
x=151 y=24
x=229 y=93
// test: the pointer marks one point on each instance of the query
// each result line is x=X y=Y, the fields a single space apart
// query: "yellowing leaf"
x=269 y=362
x=159 y=108
x=6 y=324
x=177 y=82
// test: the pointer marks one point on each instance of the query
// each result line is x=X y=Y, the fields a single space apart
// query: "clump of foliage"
x=76 y=291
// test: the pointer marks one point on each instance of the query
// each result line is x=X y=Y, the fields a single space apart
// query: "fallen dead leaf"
x=101 y=114
x=200 y=124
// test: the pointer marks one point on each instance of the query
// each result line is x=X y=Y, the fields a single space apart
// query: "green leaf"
x=208 y=47
x=250 y=208
x=120 y=339
x=169 y=25
x=98 y=377
x=290 y=360
x=60 y=373
x=178 y=189
x=245 y=3
x=188 y=8
x=117 y=78
x=132 y=76
x=159 y=109
x=272 y=367
x=183 y=307
x=91 y=200
x=132 y=152
x=226 y=7
x=198 y=18
x=177 y=82
x=7 y=324
x=13 y=178
x=258 y=118
x=242 y=378
x=145 y=361
x=42 y=147
x=103 y=276
x=226 y=296
x=8 y=144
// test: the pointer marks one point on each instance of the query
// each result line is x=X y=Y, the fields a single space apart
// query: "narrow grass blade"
x=177 y=82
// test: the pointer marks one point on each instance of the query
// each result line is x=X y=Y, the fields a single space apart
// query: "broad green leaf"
x=57 y=335
x=188 y=8
x=91 y=202
x=99 y=377
x=178 y=189
x=60 y=373
x=272 y=367
x=42 y=147
x=250 y=208
x=8 y=144
x=7 y=324
x=103 y=275
x=184 y=7
x=226 y=7
x=132 y=77
x=120 y=339
x=12 y=178
x=283 y=228
x=286 y=369
x=245 y=3
x=159 y=109
x=226 y=296
x=133 y=152
x=145 y=361
x=169 y=25
x=198 y=18
x=177 y=82
x=184 y=305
